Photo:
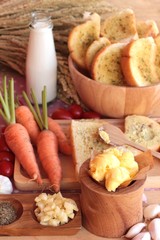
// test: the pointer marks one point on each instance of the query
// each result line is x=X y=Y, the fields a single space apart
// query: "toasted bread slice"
x=120 y=27
x=81 y=37
x=85 y=140
x=138 y=62
x=95 y=46
x=157 y=61
x=143 y=130
x=147 y=28
x=106 y=65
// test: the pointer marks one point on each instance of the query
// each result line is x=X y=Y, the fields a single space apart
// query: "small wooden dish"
x=115 y=101
x=26 y=223
x=16 y=204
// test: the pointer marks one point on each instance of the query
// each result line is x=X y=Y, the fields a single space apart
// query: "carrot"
x=47 y=148
x=18 y=140
x=47 y=145
x=16 y=135
x=25 y=117
x=63 y=144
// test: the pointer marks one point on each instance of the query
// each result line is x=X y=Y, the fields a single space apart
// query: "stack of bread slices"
x=118 y=50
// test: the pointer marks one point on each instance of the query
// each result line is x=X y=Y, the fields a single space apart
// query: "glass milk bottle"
x=41 y=62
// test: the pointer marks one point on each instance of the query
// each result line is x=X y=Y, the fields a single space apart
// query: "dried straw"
x=14 y=32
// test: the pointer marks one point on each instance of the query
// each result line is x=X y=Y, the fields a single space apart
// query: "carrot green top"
x=7 y=101
x=41 y=118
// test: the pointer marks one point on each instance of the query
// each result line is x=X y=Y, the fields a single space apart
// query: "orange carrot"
x=16 y=135
x=18 y=140
x=47 y=144
x=47 y=147
x=63 y=143
x=26 y=118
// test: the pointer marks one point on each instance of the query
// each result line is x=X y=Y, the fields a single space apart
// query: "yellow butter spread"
x=114 y=166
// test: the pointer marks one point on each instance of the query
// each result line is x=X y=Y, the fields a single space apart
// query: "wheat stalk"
x=15 y=16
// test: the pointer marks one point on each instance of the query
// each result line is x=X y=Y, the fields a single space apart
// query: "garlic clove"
x=142 y=236
x=151 y=211
x=6 y=186
x=135 y=229
x=154 y=228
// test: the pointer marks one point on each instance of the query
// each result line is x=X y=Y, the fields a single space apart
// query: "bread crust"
x=138 y=62
x=106 y=67
x=81 y=37
x=147 y=28
x=85 y=140
x=157 y=61
x=94 y=48
x=120 y=27
x=143 y=130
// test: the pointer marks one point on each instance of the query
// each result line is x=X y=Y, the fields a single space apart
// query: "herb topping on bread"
x=120 y=27
x=138 y=62
x=81 y=37
x=143 y=130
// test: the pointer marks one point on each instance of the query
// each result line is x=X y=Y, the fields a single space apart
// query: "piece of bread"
x=143 y=130
x=138 y=62
x=106 y=65
x=157 y=60
x=147 y=28
x=120 y=27
x=85 y=140
x=95 y=47
x=81 y=37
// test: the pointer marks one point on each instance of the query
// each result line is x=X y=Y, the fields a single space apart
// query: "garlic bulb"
x=135 y=229
x=154 y=228
x=5 y=185
x=151 y=211
x=142 y=236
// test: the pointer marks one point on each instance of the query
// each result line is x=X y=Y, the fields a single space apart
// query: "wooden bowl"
x=109 y=214
x=16 y=205
x=115 y=101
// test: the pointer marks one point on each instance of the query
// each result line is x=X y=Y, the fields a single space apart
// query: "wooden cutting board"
x=27 y=225
x=70 y=181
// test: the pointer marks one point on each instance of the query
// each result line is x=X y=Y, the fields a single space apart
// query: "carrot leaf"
x=41 y=118
x=4 y=116
x=32 y=110
x=5 y=91
x=36 y=106
x=7 y=101
x=11 y=101
x=44 y=108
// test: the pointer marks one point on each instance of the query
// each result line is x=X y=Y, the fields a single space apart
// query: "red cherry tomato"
x=3 y=144
x=61 y=114
x=6 y=168
x=76 y=111
x=7 y=156
x=91 y=114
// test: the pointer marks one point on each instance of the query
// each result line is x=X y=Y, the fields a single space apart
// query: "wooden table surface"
x=144 y=9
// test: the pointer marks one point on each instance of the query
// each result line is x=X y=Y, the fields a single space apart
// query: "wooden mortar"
x=109 y=214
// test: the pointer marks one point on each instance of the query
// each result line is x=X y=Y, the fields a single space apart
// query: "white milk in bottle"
x=41 y=62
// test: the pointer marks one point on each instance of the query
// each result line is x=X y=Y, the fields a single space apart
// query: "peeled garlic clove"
x=6 y=186
x=154 y=228
x=142 y=236
x=151 y=211
x=135 y=229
